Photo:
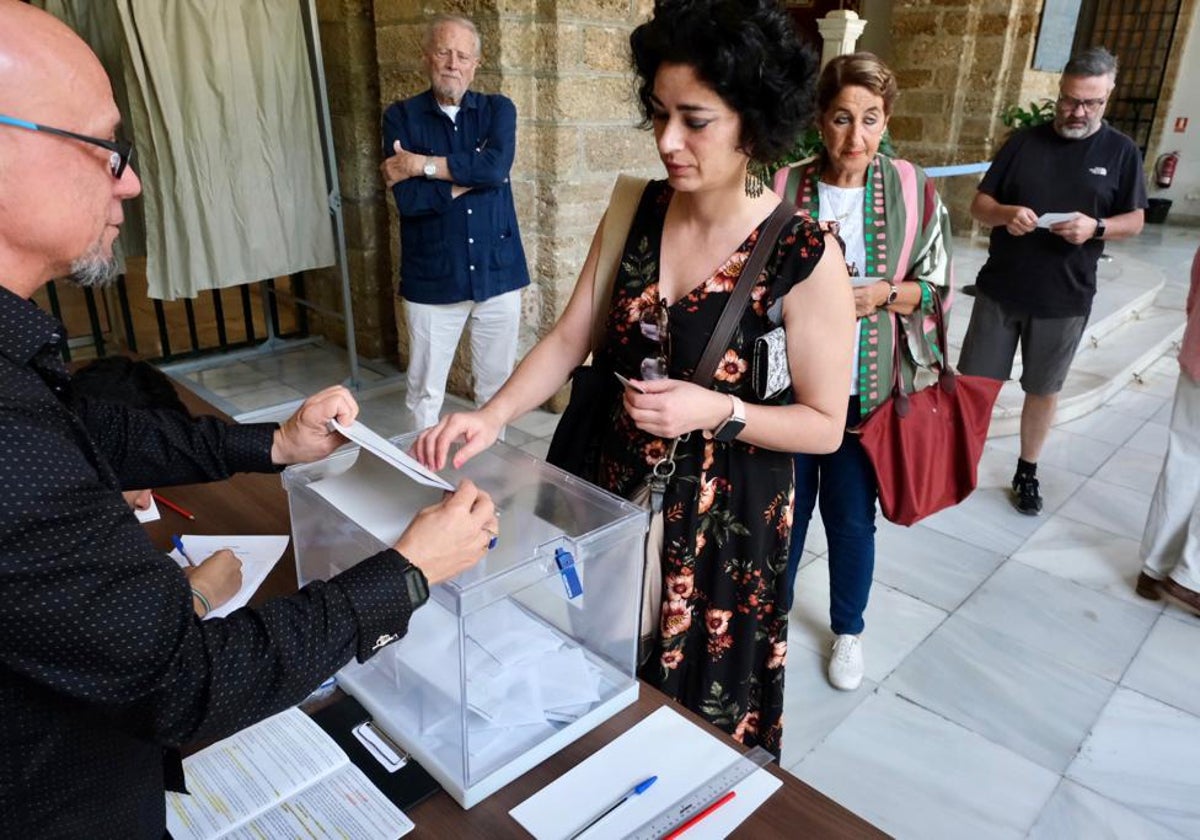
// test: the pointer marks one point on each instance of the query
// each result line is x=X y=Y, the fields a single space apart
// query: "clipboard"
x=405 y=787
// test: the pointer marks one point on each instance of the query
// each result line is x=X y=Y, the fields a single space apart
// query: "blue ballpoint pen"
x=179 y=547
x=636 y=790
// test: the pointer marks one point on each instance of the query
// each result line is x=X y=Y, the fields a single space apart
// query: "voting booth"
x=513 y=659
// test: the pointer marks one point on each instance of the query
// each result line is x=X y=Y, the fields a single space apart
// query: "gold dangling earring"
x=755 y=179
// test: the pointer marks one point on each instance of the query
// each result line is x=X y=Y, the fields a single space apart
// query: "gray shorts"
x=1048 y=346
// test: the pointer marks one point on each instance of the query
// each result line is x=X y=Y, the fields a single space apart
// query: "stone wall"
x=959 y=65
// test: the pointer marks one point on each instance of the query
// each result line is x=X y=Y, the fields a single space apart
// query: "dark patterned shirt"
x=104 y=666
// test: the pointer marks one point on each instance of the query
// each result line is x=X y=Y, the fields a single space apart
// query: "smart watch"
x=893 y=293
x=414 y=582
x=1100 y=226
x=430 y=168
x=732 y=425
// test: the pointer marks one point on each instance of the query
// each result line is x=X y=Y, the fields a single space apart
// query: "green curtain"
x=221 y=105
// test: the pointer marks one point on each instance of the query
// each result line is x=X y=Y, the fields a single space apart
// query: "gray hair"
x=1094 y=61
x=438 y=21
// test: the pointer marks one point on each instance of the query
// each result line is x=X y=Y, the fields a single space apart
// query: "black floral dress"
x=727 y=511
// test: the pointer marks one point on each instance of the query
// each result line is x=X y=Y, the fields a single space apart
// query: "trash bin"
x=1156 y=213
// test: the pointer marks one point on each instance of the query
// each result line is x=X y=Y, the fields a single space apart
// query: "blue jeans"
x=845 y=483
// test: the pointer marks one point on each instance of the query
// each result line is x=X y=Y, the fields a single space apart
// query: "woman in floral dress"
x=717 y=77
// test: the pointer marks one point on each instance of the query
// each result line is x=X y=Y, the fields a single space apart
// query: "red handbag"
x=925 y=446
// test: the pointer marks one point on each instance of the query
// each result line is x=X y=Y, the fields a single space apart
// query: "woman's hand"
x=218 y=578
x=476 y=430
x=668 y=408
x=870 y=299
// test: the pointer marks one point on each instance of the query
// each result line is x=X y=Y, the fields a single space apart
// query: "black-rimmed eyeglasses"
x=1069 y=104
x=121 y=150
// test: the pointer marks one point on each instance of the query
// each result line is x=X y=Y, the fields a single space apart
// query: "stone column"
x=840 y=31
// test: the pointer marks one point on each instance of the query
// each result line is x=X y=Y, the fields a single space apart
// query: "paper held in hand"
x=381 y=448
x=1047 y=219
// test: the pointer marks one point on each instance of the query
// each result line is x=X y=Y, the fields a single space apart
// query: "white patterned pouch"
x=769 y=369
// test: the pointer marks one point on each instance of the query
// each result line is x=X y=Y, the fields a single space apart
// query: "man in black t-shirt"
x=1053 y=194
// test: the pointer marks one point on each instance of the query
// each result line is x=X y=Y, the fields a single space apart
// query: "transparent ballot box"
x=513 y=659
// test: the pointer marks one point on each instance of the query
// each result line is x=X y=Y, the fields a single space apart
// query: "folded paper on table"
x=258 y=554
x=665 y=744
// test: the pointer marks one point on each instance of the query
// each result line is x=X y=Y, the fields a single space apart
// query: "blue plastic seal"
x=566 y=568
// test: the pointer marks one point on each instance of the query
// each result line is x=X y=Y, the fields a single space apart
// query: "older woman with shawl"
x=896 y=234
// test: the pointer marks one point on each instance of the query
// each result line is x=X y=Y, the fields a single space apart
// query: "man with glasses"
x=105 y=668
x=448 y=154
x=1053 y=195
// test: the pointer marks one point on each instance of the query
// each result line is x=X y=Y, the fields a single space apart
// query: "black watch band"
x=1100 y=228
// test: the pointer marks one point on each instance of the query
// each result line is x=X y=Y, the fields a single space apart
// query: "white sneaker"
x=846 y=663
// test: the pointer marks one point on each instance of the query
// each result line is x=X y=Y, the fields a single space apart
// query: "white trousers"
x=1171 y=542
x=433 y=334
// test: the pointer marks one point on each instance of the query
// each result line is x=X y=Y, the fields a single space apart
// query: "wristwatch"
x=430 y=168
x=1099 y=234
x=893 y=293
x=732 y=425
x=415 y=582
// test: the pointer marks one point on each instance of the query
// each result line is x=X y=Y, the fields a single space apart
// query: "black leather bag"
x=576 y=440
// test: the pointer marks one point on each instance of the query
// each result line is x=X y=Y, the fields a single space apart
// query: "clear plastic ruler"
x=704 y=795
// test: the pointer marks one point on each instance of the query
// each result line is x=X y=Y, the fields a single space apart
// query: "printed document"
x=280 y=778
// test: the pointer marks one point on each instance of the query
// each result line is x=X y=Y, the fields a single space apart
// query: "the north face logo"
x=1098 y=170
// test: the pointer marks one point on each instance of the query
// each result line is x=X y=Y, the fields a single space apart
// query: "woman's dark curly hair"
x=746 y=51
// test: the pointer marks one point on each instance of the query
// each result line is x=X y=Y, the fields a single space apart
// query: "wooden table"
x=257 y=504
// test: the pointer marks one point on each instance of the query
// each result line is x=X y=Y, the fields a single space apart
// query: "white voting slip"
x=258 y=554
x=1047 y=219
x=150 y=514
x=665 y=744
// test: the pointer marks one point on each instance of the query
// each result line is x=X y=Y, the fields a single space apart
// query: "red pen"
x=168 y=503
x=678 y=832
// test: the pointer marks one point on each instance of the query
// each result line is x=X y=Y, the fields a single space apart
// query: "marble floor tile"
x=988 y=519
x=267 y=395
x=1130 y=468
x=1151 y=439
x=228 y=380
x=1138 y=399
x=1006 y=691
x=1163 y=415
x=916 y=775
x=1110 y=507
x=1078 y=453
x=895 y=623
x=1093 y=558
x=1106 y=424
x=1076 y=812
x=1165 y=667
x=812 y=708
x=1079 y=626
x=930 y=565
x=1142 y=753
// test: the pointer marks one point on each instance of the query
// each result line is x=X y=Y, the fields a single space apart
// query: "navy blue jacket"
x=465 y=248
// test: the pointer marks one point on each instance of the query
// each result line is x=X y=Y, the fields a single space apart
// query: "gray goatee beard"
x=94 y=270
